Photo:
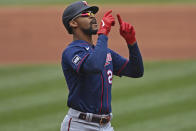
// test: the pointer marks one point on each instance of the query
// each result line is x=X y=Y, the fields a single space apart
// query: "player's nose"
x=93 y=21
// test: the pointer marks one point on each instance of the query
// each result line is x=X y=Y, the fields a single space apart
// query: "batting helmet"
x=73 y=10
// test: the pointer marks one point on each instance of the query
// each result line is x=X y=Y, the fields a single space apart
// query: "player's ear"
x=73 y=24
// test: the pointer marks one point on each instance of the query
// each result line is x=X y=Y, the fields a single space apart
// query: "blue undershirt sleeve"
x=130 y=68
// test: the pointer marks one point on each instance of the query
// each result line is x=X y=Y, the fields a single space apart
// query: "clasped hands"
x=126 y=30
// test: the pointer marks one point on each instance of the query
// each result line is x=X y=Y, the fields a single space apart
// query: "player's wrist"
x=132 y=41
x=103 y=31
x=132 y=44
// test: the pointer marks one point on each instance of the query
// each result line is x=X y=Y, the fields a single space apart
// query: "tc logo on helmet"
x=85 y=2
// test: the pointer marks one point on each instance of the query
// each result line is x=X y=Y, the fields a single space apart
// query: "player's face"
x=87 y=23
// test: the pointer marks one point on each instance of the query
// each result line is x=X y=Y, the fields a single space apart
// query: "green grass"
x=62 y=2
x=33 y=98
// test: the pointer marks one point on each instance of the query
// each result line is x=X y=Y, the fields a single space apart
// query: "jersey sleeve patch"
x=76 y=60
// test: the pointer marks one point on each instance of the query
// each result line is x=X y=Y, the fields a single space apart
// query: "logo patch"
x=108 y=59
x=76 y=59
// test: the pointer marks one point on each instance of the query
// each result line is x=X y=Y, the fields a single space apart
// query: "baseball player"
x=88 y=67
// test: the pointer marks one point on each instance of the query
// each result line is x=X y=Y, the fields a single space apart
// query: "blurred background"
x=33 y=92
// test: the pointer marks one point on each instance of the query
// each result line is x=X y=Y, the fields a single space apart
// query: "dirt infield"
x=30 y=34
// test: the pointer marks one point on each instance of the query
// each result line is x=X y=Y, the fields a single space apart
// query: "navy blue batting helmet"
x=73 y=10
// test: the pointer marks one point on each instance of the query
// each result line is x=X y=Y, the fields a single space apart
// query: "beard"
x=90 y=30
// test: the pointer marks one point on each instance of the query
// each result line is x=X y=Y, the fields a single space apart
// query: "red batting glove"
x=127 y=31
x=106 y=23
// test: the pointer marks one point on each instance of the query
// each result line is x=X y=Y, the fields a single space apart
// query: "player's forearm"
x=134 y=67
x=96 y=60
